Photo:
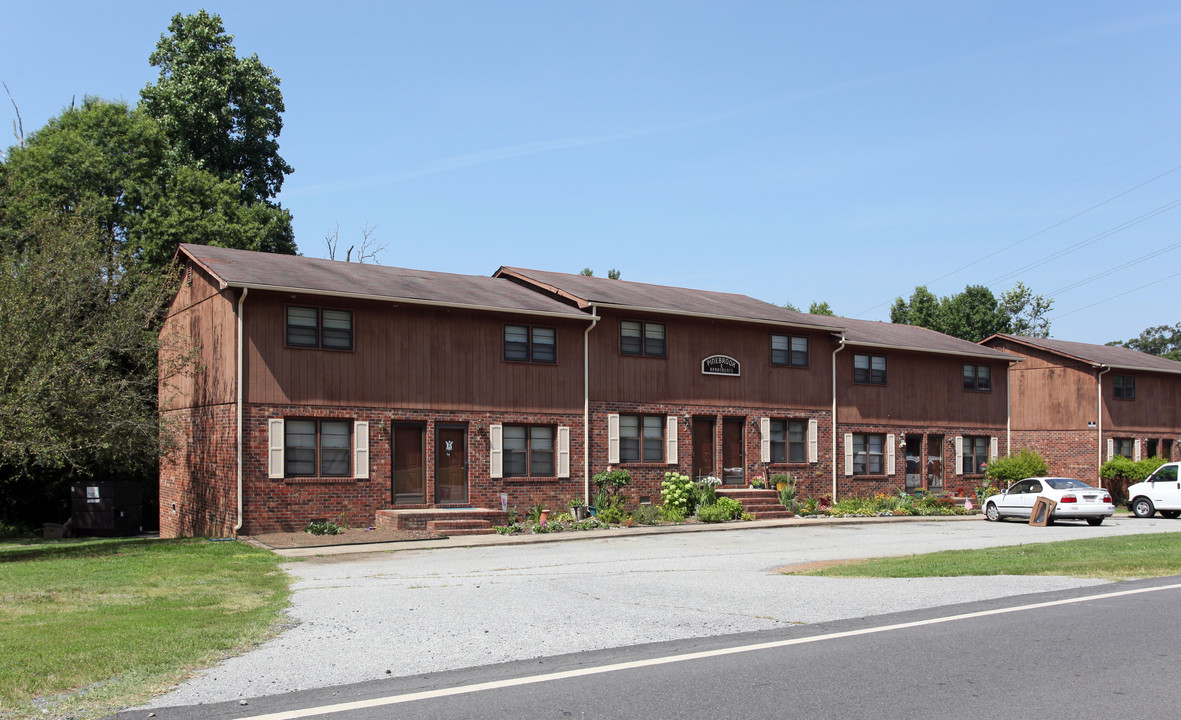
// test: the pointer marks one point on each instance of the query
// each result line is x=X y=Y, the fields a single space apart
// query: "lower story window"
x=641 y=438
x=528 y=450
x=975 y=455
x=868 y=457
x=787 y=441
x=317 y=448
x=1122 y=446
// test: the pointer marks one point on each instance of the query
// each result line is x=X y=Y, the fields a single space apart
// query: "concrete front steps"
x=762 y=503
x=445 y=521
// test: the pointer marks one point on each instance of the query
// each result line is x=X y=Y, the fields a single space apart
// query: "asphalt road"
x=389 y=615
x=1097 y=652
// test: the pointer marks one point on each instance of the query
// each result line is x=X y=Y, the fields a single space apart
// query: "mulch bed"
x=351 y=536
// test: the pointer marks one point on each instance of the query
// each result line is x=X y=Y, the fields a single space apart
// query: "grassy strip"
x=1111 y=558
x=88 y=627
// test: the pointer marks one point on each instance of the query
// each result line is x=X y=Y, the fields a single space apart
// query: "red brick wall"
x=198 y=472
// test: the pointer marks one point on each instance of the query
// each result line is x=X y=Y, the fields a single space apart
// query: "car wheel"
x=1171 y=514
x=1142 y=507
x=992 y=513
x=1095 y=521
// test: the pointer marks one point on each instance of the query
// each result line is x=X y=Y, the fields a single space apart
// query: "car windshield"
x=1067 y=484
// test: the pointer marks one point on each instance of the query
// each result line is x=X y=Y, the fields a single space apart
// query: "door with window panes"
x=451 y=464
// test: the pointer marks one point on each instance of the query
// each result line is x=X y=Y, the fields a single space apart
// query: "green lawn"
x=1111 y=558
x=90 y=626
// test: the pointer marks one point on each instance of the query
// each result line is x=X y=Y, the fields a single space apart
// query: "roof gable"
x=1103 y=355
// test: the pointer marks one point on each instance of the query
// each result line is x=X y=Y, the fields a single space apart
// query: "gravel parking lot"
x=367 y=616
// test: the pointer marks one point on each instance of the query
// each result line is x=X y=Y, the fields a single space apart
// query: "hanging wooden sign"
x=721 y=365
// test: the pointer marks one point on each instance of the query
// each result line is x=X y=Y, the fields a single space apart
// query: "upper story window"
x=642 y=338
x=317 y=448
x=1125 y=387
x=326 y=328
x=641 y=438
x=869 y=369
x=789 y=351
x=978 y=377
x=524 y=343
x=528 y=450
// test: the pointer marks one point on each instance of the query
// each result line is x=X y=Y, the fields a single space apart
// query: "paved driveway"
x=361 y=617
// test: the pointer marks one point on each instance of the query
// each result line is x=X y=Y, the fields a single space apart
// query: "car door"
x=1013 y=500
x=1166 y=488
x=1033 y=489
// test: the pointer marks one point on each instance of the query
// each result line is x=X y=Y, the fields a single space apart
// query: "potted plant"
x=577 y=510
x=758 y=482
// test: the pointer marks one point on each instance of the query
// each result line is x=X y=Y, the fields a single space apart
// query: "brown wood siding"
x=678 y=379
x=1156 y=409
x=202 y=326
x=409 y=356
x=921 y=389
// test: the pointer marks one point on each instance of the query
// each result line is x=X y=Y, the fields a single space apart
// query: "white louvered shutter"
x=848 y=454
x=361 y=449
x=671 y=444
x=765 y=442
x=1136 y=449
x=959 y=454
x=813 y=441
x=890 y=457
x=275 y=442
x=1110 y=448
x=613 y=439
x=496 y=451
x=563 y=451
x=993 y=449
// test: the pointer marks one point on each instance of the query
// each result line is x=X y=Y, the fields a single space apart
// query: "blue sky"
x=791 y=151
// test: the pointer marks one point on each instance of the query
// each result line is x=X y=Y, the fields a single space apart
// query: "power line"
x=1113 y=297
x=1116 y=269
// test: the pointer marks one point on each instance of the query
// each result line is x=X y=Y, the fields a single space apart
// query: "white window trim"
x=1110 y=448
x=276 y=443
x=563 y=451
x=361 y=449
x=670 y=438
x=813 y=442
x=848 y=454
x=1136 y=450
x=959 y=454
x=765 y=440
x=613 y=439
x=993 y=448
x=890 y=457
x=496 y=451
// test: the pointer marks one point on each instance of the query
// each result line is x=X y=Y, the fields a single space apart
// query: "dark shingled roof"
x=1116 y=357
x=586 y=291
x=913 y=337
x=292 y=273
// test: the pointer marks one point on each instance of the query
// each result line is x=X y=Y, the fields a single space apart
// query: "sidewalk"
x=573 y=535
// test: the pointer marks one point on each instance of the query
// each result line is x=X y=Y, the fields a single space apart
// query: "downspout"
x=1099 y=421
x=834 y=416
x=241 y=357
x=1009 y=409
x=586 y=407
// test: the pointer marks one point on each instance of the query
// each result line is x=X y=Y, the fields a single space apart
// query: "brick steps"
x=446 y=521
x=762 y=503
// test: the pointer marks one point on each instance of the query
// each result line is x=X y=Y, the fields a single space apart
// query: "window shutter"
x=563 y=451
x=361 y=449
x=1136 y=449
x=495 y=451
x=813 y=441
x=765 y=446
x=1110 y=448
x=671 y=440
x=848 y=454
x=992 y=448
x=959 y=454
x=890 y=457
x=275 y=442
x=613 y=439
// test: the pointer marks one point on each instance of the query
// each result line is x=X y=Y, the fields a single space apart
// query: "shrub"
x=612 y=479
x=1120 y=472
x=610 y=515
x=671 y=514
x=322 y=527
x=707 y=487
x=646 y=515
x=1011 y=468
x=724 y=509
x=677 y=491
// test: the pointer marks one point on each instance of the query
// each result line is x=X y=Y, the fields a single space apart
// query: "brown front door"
x=451 y=465
x=732 y=451
x=703 y=447
x=934 y=462
x=409 y=478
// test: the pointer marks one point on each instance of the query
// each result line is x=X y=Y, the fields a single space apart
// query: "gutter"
x=834 y=416
x=586 y=407
x=241 y=359
x=1099 y=421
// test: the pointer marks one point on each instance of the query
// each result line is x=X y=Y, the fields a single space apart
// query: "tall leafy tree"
x=1026 y=311
x=219 y=112
x=1162 y=340
x=820 y=308
x=972 y=315
x=921 y=310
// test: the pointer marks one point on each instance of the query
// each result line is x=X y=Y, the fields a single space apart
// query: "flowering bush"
x=758 y=482
x=678 y=492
